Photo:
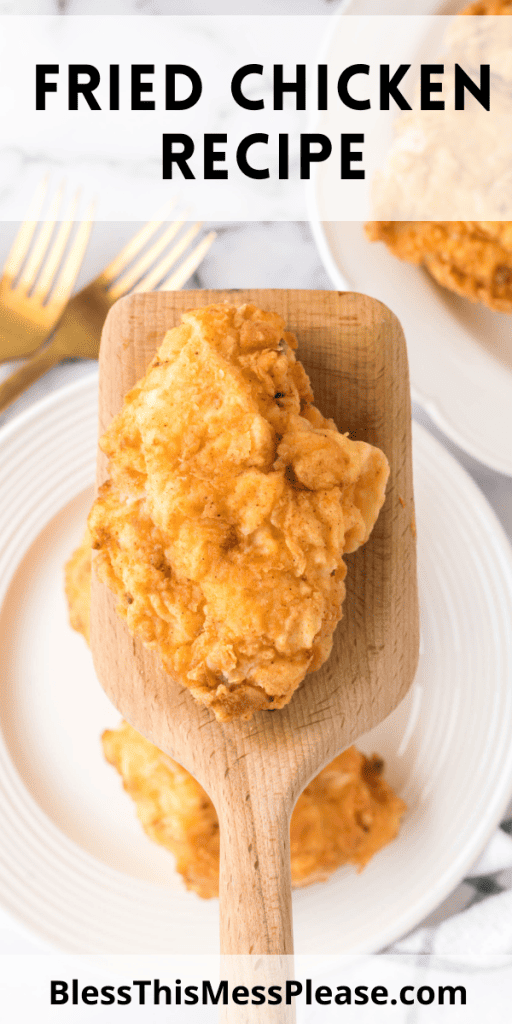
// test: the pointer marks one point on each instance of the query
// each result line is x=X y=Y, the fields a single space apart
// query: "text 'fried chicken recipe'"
x=230 y=504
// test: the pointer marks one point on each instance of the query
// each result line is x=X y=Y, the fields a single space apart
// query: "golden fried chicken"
x=230 y=504
x=77 y=583
x=344 y=816
x=434 y=157
x=471 y=258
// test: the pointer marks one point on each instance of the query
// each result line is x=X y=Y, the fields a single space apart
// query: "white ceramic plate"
x=460 y=354
x=75 y=866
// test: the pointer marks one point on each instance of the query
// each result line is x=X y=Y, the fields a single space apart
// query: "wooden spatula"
x=354 y=352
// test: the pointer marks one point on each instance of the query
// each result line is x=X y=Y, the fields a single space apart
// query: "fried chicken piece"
x=344 y=816
x=471 y=258
x=489 y=7
x=230 y=504
x=77 y=584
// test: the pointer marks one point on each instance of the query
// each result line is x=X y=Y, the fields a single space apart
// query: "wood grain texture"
x=354 y=352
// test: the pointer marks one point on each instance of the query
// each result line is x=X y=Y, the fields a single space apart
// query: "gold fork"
x=32 y=296
x=79 y=332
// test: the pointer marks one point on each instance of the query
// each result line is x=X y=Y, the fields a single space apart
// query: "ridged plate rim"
x=69 y=899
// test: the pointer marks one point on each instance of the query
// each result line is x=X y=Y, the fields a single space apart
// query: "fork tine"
x=154 y=277
x=41 y=243
x=57 y=251
x=24 y=236
x=177 y=279
x=127 y=281
x=64 y=283
x=133 y=247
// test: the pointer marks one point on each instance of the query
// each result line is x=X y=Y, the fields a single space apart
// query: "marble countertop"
x=159 y=7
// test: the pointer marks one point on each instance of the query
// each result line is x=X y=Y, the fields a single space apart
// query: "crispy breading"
x=344 y=816
x=230 y=504
x=471 y=258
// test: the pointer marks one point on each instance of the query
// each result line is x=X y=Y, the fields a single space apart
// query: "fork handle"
x=32 y=370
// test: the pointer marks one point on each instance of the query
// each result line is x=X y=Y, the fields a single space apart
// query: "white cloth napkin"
x=477 y=917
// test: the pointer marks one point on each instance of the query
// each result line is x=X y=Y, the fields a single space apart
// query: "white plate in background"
x=460 y=353
x=75 y=866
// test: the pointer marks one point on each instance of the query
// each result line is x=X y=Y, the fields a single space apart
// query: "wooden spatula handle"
x=255 y=876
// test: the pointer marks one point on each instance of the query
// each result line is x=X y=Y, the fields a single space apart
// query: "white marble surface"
x=159 y=7
x=117 y=156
